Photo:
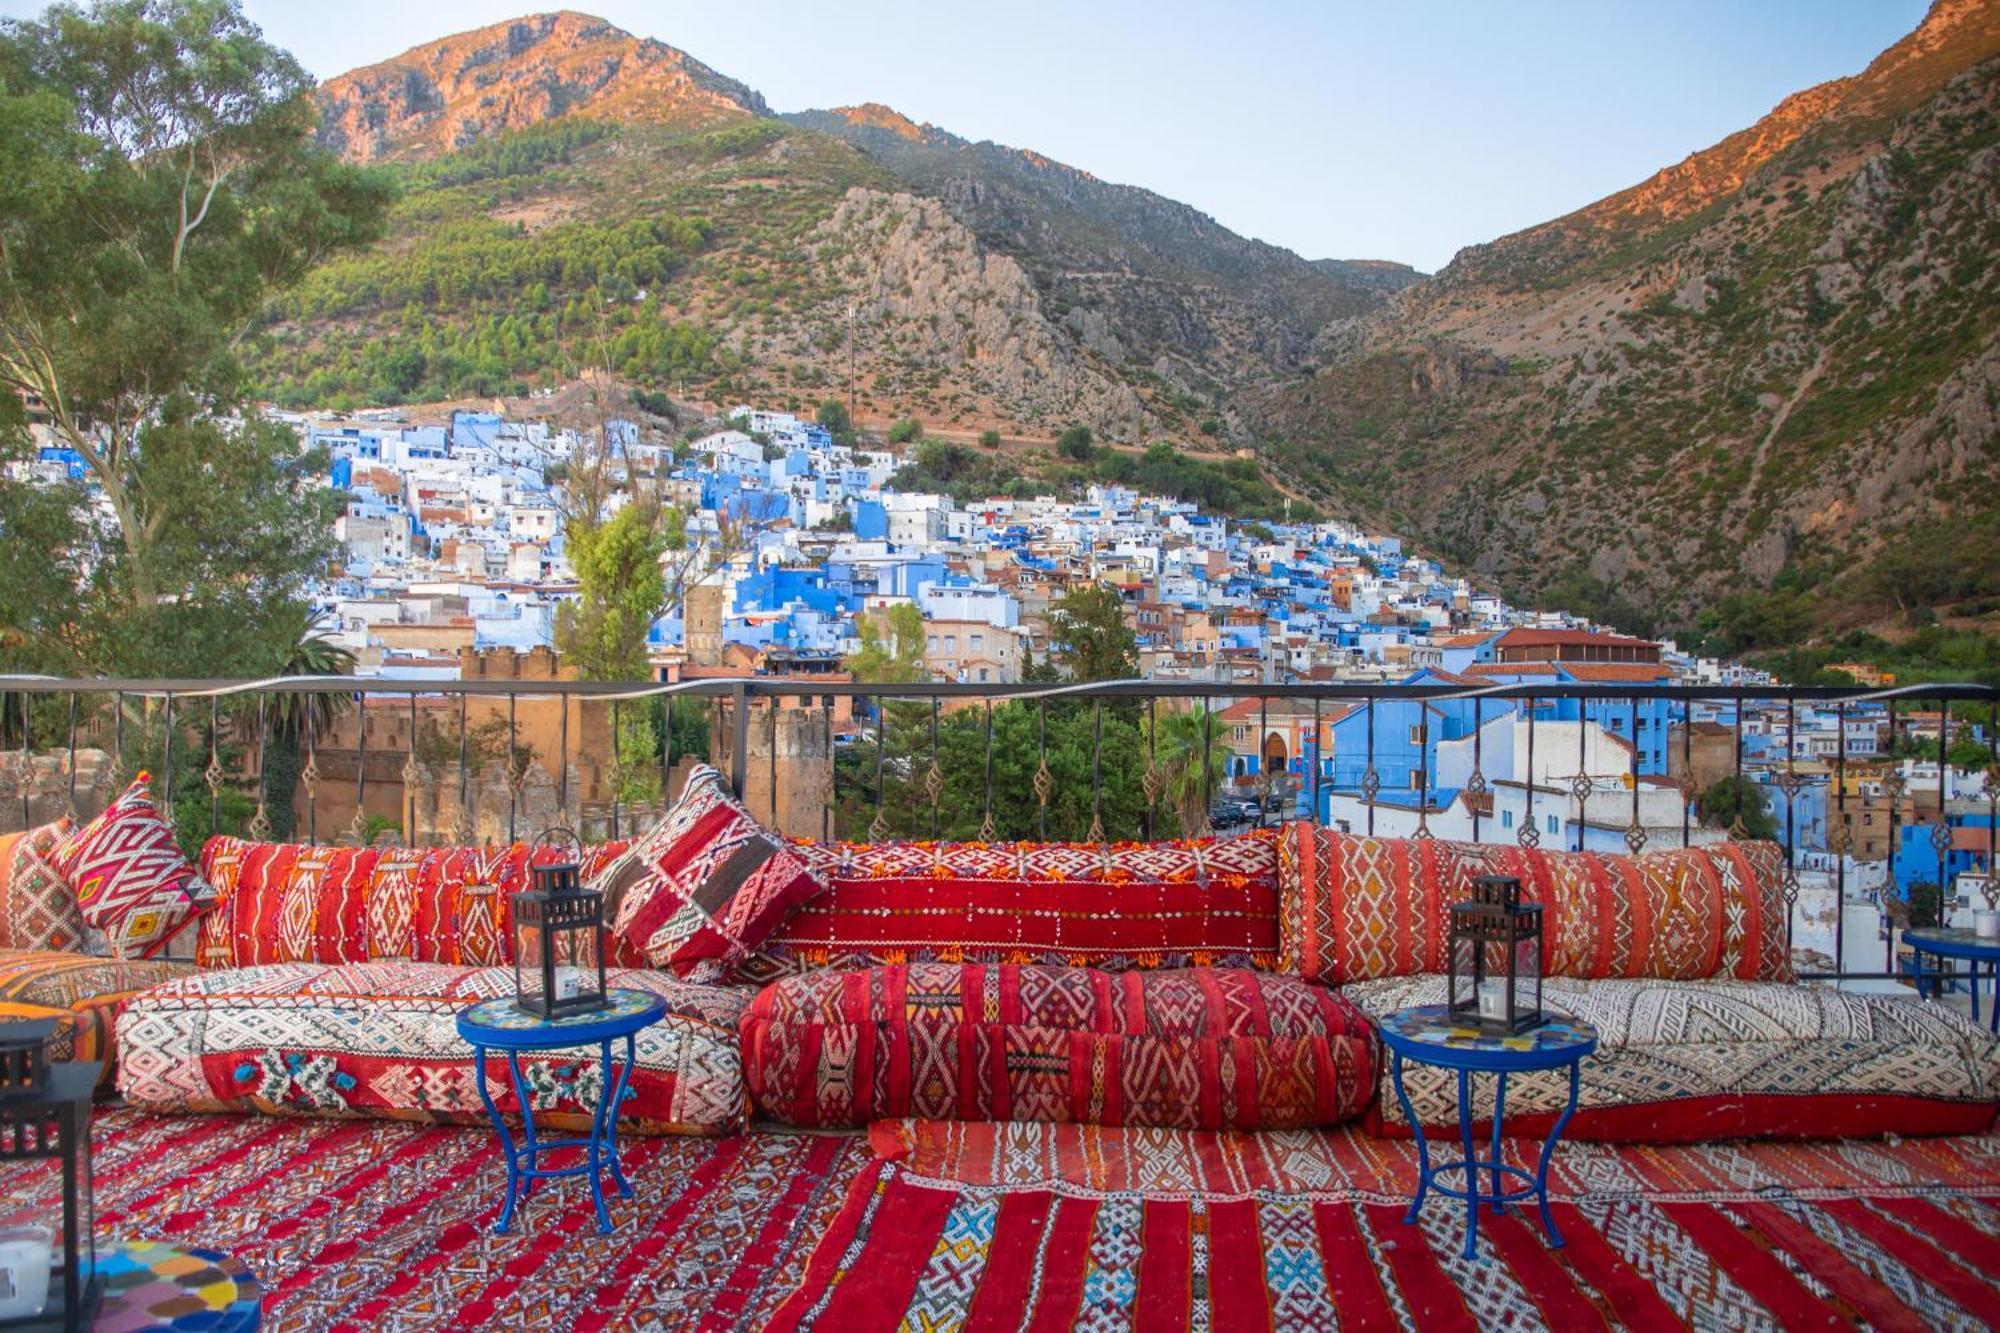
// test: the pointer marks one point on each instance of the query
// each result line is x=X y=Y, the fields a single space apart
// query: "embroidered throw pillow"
x=706 y=886
x=37 y=907
x=133 y=887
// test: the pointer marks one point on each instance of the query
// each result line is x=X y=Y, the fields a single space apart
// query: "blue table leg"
x=531 y=1150
x=506 y=1140
x=1993 y=1014
x=1499 y=1110
x=1549 y=1150
x=1471 y=1167
x=1972 y=984
x=617 y=1095
x=1416 y=1132
x=595 y=1151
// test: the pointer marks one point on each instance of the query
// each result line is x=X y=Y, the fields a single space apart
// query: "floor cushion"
x=90 y=991
x=1198 y=1048
x=1682 y=1061
x=379 y=1039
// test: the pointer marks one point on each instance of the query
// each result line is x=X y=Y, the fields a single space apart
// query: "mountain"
x=576 y=197
x=1140 y=278
x=454 y=92
x=1758 y=392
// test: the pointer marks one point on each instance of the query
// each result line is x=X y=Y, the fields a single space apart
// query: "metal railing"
x=931 y=759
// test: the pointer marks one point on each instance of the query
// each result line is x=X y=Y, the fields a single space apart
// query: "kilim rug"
x=1043 y=1227
x=363 y=1225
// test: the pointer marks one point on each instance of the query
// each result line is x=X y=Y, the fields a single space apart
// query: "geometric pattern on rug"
x=1348 y=1164
x=907 y=1253
x=359 y=1225
x=1043 y=1226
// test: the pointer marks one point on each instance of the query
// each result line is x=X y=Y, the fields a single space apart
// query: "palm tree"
x=1178 y=743
x=296 y=720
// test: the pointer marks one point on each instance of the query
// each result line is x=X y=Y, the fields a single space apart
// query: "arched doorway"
x=1274 y=753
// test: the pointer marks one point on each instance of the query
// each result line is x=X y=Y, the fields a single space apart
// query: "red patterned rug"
x=1054 y=1227
x=363 y=1225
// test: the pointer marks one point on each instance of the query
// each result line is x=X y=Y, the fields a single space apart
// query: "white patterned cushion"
x=1666 y=1041
x=380 y=1039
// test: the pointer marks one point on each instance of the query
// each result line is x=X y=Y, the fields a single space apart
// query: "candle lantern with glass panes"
x=48 y=1273
x=1496 y=958
x=558 y=938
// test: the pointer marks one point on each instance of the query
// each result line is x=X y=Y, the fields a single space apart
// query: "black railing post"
x=310 y=721
x=986 y=819
x=1941 y=832
x=879 y=825
x=359 y=827
x=1318 y=756
x=617 y=770
x=1477 y=787
x=467 y=827
x=515 y=770
x=167 y=758
x=1689 y=788
x=213 y=775
x=1371 y=781
x=1839 y=838
x=69 y=801
x=28 y=766
x=1096 y=771
x=1635 y=833
x=934 y=780
x=739 y=739
x=1044 y=784
x=1528 y=835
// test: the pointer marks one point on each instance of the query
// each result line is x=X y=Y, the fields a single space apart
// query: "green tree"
x=1089 y=638
x=621 y=590
x=833 y=415
x=989 y=439
x=897 y=659
x=296 y=721
x=1193 y=758
x=1733 y=800
x=1075 y=443
x=905 y=430
x=159 y=181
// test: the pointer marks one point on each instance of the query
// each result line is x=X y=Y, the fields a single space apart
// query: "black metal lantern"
x=48 y=1278
x=558 y=940
x=1496 y=958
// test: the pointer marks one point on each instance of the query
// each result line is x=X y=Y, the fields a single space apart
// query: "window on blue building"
x=1506 y=819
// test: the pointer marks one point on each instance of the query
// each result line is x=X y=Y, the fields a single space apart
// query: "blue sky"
x=1393 y=129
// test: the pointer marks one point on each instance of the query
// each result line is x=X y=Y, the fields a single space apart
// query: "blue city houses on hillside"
x=1406 y=736
x=1648 y=732
x=1916 y=858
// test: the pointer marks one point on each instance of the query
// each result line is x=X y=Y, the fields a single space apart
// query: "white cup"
x=1986 y=925
x=25 y=1256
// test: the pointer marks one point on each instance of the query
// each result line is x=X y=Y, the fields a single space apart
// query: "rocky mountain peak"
x=451 y=92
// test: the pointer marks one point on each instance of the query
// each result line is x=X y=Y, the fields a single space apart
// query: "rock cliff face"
x=1766 y=373
x=454 y=92
x=1140 y=278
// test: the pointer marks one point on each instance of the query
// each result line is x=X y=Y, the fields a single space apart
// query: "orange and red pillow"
x=132 y=884
x=1356 y=908
x=37 y=906
x=706 y=886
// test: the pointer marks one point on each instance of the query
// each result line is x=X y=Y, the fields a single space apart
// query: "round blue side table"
x=502 y=1025
x=1974 y=949
x=1427 y=1034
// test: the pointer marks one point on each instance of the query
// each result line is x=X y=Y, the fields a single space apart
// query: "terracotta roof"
x=1511 y=669
x=1638 y=673
x=1535 y=638
x=1462 y=640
